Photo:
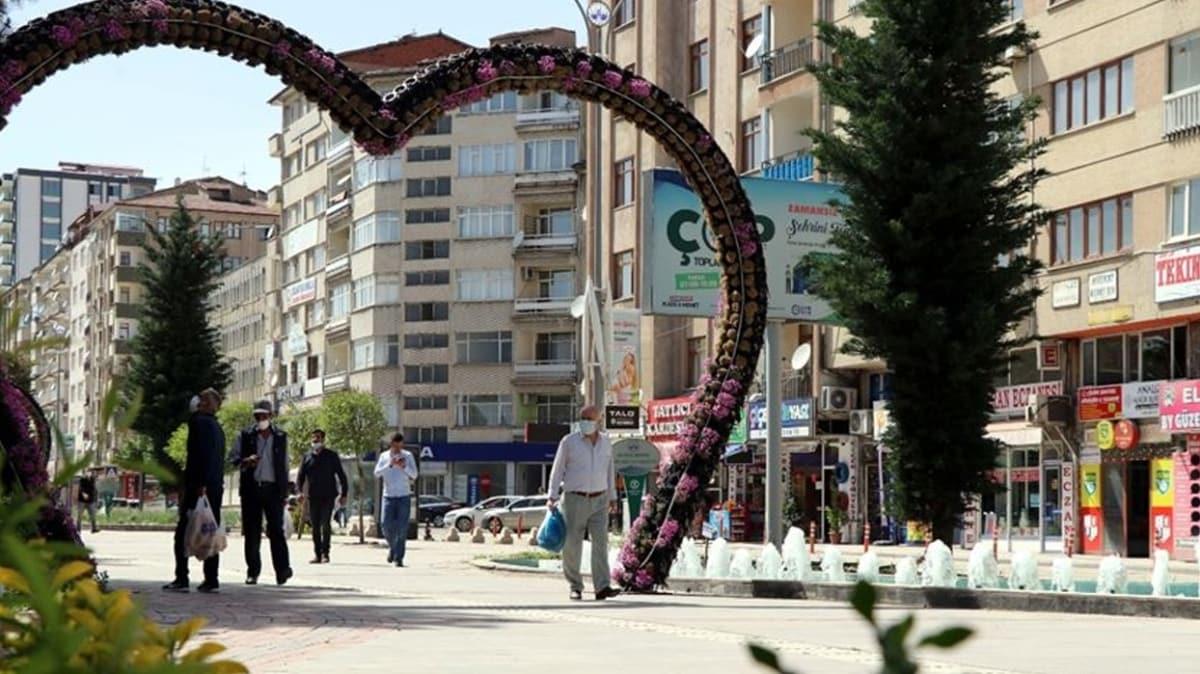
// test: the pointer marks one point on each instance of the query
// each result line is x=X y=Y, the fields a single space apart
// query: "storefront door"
x=1052 y=503
x=1137 y=523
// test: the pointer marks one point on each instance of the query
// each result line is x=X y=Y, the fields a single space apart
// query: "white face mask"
x=587 y=426
x=194 y=404
x=316 y=447
x=264 y=424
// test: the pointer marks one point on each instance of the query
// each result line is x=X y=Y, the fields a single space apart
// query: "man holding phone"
x=261 y=453
x=398 y=469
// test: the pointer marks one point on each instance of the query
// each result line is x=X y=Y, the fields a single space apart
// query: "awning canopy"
x=1015 y=433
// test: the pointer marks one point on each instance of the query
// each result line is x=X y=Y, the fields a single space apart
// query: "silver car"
x=526 y=513
x=466 y=519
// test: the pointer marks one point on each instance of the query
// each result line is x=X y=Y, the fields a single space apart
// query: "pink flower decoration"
x=486 y=72
x=508 y=67
x=709 y=438
x=667 y=533
x=618 y=575
x=726 y=400
x=64 y=36
x=722 y=412
x=642 y=580
x=749 y=248
x=570 y=83
x=583 y=69
x=687 y=485
x=14 y=69
x=731 y=385
x=113 y=30
x=628 y=558
x=547 y=64
x=639 y=87
x=154 y=8
x=387 y=114
x=9 y=98
x=282 y=49
x=613 y=79
x=159 y=25
x=704 y=143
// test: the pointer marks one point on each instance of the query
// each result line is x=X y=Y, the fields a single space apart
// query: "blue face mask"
x=587 y=426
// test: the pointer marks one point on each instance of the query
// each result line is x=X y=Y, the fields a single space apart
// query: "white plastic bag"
x=205 y=537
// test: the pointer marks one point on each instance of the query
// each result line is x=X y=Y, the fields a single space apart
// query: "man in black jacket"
x=203 y=475
x=262 y=455
x=322 y=471
x=86 y=501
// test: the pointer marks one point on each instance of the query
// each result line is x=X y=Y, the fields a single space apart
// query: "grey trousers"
x=590 y=514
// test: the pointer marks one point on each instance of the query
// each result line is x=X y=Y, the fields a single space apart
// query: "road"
x=441 y=614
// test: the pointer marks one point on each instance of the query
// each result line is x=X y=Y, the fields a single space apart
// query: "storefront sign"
x=664 y=417
x=1105 y=435
x=1177 y=275
x=1162 y=499
x=1065 y=294
x=1090 y=514
x=622 y=417
x=1008 y=400
x=633 y=456
x=300 y=292
x=1068 y=502
x=1140 y=400
x=796 y=416
x=1099 y=402
x=881 y=419
x=1102 y=287
x=297 y=342
x=635 y=486
x=1117 y=314
x=624 y=379
x=1125 y=434
x=1049 y=356
x=1179 y=406
x=1183 y=508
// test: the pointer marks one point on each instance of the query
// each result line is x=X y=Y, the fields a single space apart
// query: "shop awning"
x=737 y=454
x=1015 y=433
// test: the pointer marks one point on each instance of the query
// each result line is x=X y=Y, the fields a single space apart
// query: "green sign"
x=738 y=435
x=635 y=456
x=635 y=486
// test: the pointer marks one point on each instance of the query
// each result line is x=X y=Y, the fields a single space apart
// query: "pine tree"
x=934 y=272
x=176 y=352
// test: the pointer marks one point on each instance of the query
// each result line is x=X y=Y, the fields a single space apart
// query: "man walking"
x=203 y=475
x=322 y=470
x=583 y=473
x=398 y=469
x=261 y=452
x=86 y=501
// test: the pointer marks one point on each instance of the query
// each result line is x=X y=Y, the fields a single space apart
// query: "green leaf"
x=765 y=657
x=947 y=638
x=863 y=600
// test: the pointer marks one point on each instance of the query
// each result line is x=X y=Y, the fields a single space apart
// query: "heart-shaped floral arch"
x=382 y=125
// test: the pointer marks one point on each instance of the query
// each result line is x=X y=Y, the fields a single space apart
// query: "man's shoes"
x=315 y=560
x=95 y=531
x=252 y=580
x=325 y=559
x=576 y=595
x=607 y=593
x=176 y=586
x=208 y=587
x=399 y=563
x=283 y=579
x=391 y=558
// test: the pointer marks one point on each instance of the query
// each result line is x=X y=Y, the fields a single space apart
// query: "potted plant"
x=835 y=517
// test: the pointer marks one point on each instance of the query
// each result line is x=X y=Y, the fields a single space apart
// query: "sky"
x=179 y=113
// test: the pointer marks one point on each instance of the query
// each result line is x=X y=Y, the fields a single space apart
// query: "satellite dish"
x=579 y=306
x=518 y=239
x=801 y=356
x=755 y=46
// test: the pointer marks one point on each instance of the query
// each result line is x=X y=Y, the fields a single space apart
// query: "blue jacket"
x=205 y=448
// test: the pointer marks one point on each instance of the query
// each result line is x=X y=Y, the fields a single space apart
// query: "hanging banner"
x=1090 y=513
x=1179 y=406
x=1162 y=500
x=624 y=374
x=681 y=275
x=664 y=418
x=1068 y=504
x=635 y=487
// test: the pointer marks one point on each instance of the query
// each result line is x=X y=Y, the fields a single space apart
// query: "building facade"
x=248 y=314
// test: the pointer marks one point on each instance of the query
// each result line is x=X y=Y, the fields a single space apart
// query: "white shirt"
x=396 y=480
x=582 y=466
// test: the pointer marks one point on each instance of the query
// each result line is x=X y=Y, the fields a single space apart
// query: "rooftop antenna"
x=204 y=166
x=243 y=174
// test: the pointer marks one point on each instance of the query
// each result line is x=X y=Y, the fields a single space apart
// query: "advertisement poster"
x=624 y=380
x=1162 y=498
x=1177 y=275
x=1139 y=400
x=680 y=271
x=1179 y=406
x=796 y=415
x=1091 y=520
x=1099 y=402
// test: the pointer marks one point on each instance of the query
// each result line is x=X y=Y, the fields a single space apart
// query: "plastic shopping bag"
x=553 y=533
x=202 y=531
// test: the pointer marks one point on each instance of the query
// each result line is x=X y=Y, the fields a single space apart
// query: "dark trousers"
x=181 y=554
x=258 y=501
x=396 y=513
x=320 y=511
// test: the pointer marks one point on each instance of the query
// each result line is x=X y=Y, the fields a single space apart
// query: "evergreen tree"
x=934 y=271
x=177 y=352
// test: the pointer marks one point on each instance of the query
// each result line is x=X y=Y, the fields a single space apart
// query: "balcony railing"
x=335 y=382
x=556 y=370
x=787 y=60
x=538 y=235
x=558 y=116
x=337 y=265
x=796 y=166
x=542 y=306
x=1181 y=111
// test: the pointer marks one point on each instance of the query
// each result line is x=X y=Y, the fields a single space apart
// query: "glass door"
x=1052 y=506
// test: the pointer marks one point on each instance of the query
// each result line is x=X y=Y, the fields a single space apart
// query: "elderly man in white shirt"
x=583 y=474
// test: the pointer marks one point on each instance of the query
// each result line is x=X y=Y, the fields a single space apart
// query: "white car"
x=466 y=519
x=524 y=514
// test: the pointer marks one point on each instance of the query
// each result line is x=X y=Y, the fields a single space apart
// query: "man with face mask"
x=583 y=473
x=203 y=475
x=261 y=453
x=322 y=472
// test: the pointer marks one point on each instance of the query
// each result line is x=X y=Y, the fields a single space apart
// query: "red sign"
x=1160 y=528
x=1126 y=434
x=1099 y=402
x=1012 y=399
x=1179 y=406
x=1091 y=531
x=664 y=417
x=1049 y=353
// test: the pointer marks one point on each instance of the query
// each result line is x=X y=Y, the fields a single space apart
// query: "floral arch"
x=382 y=125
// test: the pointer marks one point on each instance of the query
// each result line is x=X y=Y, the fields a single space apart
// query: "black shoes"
x=208 y=587
x=180 y=586
x=399 y=563
x=607 y=593
x=252 y=580
x=391 y=558
x=576 y=595
x=281 y=580
x=316 y=560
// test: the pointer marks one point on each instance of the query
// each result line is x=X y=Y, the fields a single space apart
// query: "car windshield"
x=493 y=502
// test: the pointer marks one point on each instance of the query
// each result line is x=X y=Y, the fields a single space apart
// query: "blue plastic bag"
x=552 y=535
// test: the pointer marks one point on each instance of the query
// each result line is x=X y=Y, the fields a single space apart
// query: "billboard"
x=624 y=380
x=681 y=275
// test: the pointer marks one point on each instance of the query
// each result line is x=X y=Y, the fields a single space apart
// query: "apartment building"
x=39 y=204
x=440 y=278
x=249 y=316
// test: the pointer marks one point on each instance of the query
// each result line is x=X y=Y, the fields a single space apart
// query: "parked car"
x=527 y=513
x=466 y=519
x=433 y=508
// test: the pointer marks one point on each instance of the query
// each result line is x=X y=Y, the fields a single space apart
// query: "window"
x=1022 y=368
x=364 y=354
x=555 y=346
x=233 y=230
x=293 y=111
x=696 y=352
x=484 y=410
x=550 y=154
x=751 y=28
x=123 y=332
x=371 y=170
x=1153 y=355
x=1093 y=230
x=314 y=152
x=377 y=352
x=623 y=279
x=339 y=302
x=486 y=160
x=315 y=203
x=623 y=182
x=429 y=187
x=556 y=284
x=374 y=290
x=751 y=144
x=291 y=164
x=483 y=347
x=1185 y=209
x=52 y=230
x=52 y=210
x=626 y=12
x=130 y=222
x=426 y=374
x=426 y=402
x=1100 y=93
x=426 y=311
x=547 y=100
x=391 y=350
x=485 y=285
x=94 y=190
x=291 y=216
x=123 y=296
x=51 y=187
x=435 y=277
x=429 y=153
x=558 y=221
x=1185 y=63
x=425 y=436
x=478 y=222
x=114 y=191
x=426 y=216
x=126 y=259
x=443 y=126
x=505 y=101
x=426 y=250
x=377 y=228
x=699 y=72
x=426 y=340
x=558 y=409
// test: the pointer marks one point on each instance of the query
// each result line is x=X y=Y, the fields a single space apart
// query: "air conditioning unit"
x=1044 y=410
x=860 y=422
x=838 y=399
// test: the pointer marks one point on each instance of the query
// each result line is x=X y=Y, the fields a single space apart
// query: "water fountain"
x=938 y=569
x=1023 y=572
x=868 y=567
x=718 y=560
x=906 y=572
x=982 y=568
x=770 y=564
x=1160 y=577
x=831 y=565
x=742 y=565
x=1112 y=577
x=687 y=562
x=1062 y=575
x=797 y=564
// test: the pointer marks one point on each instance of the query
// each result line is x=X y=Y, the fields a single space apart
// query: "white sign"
x=1067 y=473
x=1177 y=275
x=1102 y=287
x=301 y=292
x=599 y=13
x=1065 y=294
x=1139 y=400
x=1012 y=399
x=297 y=342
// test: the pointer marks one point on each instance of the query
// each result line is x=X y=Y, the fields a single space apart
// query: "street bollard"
x=812 y=538
x=866 y=536
x=428 y=531
x=520 y=524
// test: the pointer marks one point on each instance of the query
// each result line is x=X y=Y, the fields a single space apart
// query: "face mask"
x=316 y=447
x=264 y=424
x=587 y=426
x=194 y=404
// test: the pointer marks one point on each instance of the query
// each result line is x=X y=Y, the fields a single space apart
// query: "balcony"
x=342 y=150
x=337 y=266
x=125 y=238
x=127 y=275
x=275 y=145
x=338 y=208
x=128 y=310
x=786 y=60
x=123 y=347
x=793 y=167
x=546 y=182
x=6 y=225
x=545 y=371
x=1181 y=112
x=549 y=119
x=538 y=240
x=542 y=307
x=337 y=326
x=335 y=382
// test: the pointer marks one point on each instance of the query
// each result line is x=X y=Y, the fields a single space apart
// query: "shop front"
x=472 y=471
x=1174 y=475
